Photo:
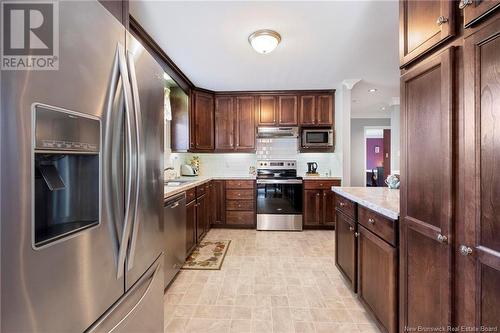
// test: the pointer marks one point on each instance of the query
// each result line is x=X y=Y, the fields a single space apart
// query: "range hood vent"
x=277 y=132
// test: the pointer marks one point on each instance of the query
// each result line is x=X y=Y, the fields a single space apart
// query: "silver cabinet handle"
x=442 y=238
x=174 y=205
x=465 y=250
x=371 y=221
x=464 y=3
x=441 y=20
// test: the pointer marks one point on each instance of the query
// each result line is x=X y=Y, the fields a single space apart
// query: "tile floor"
x=270 y=282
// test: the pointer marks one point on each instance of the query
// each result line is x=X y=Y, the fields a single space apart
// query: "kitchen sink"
x=177 y=182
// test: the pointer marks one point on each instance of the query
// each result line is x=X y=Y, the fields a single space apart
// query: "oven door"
x=279 y=204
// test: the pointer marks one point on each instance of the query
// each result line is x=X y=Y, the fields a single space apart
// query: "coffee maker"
x=311 y=168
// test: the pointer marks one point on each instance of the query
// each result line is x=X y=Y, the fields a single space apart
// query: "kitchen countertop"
x=320 y=177
x=196 y=181
x=383 y=200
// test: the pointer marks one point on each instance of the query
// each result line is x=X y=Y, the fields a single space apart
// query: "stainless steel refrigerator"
x=81 y=184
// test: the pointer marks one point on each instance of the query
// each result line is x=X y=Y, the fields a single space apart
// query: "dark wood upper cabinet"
x=346 y=248
x=378 y=262
x=245 y=123
x=203 y=121
x=307 y=110
x=287 y=110
x=478 y=244
x=324 y=110
x=179 y=134
x=266 y=110
x=423 y=25
x=224 y=122
x=476 y=10
x=426 y=197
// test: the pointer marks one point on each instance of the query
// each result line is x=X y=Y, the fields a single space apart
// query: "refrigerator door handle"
x=138 y=127
x=131 y=160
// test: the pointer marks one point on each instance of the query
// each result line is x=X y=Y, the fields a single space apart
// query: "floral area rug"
x=207 y=255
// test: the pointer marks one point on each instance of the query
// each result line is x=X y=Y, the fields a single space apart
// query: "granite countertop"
x=196 y=181
x=383 y=200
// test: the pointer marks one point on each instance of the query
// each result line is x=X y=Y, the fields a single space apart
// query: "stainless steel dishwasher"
x=174 y=219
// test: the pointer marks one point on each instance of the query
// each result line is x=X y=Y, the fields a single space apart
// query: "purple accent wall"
x=374 y=160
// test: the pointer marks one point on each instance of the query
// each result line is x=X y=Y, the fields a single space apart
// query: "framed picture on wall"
x=377 y=149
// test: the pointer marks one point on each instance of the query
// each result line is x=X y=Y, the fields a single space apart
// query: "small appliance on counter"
x=188 y=170
x=392 y=181
x=169 y=174
x=311 y=169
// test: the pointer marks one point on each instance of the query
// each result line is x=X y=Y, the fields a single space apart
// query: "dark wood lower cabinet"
x=190 y=226
x=218 y=202
x=312 y=207
x=201 y=217
x=346 y=249
x=319 y=203
x=377 y=278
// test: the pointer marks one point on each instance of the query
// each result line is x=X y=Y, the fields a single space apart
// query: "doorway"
x=377 y=141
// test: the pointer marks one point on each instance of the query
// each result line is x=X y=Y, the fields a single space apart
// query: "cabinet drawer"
x=381 y=226
x=239 y=184
x=190 y=194
x=200 y=190
x=240 y=194
x=346 y=206
x=320 y=184
x=236 y=217
x=240 y=205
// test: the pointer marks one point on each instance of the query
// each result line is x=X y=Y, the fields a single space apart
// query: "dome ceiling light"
x=264 y=41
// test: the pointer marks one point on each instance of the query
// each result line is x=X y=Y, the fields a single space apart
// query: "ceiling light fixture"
x=264 y=41
x=372 y=90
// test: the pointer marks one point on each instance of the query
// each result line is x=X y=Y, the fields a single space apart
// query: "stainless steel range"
x=279 y=195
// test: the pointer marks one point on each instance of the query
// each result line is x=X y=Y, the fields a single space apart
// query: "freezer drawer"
x=140 y=309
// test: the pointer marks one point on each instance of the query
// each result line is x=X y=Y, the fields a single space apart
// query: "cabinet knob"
x=442 y=239
x=441 y=20
x=324 y=194
x=465 y=250
x=320 y=184
x=351 y=228
x=464 y=3
x=371 y=221
x=356 y=234
x=317 y=194
x=342 y=204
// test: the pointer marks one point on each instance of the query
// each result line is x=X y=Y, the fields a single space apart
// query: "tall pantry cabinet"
x=450 y=175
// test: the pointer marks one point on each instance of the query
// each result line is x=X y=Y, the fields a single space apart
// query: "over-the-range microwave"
x=317 y=138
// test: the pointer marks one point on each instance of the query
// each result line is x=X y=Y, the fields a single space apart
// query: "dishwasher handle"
x=175 y=202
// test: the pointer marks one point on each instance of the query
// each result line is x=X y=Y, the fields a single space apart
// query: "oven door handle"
x=279 y=181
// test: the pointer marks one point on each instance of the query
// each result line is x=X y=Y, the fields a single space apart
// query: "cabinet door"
x=312 y=207
x=203 y=121
x=287 y=110
x=307 y=110
x=426 y=200
x=245 y=123
x=224 y=123
x=423 y=25
x=219 y=201
x=377 y=278
x=324 y=110
x=345 y=248
x=476 y=10
x=266 y=110
x=328 y=206
x=478 y=292
x=201 y=217
x=190 y=226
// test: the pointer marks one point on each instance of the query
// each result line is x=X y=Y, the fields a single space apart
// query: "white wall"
x=358 y=169
x=395 y=139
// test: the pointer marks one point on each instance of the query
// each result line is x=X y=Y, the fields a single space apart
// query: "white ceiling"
x=323 y=43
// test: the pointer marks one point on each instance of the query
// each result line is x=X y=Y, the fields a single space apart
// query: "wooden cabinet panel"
x=345 y=206
x=324 y=110
x=377 y=278
x=320 y=184
x=245 y=123
x=240 y=205
x=190 y=226
x=201 y=217
x=477 y=292
x=312 y=207
x=378 y=224
x=346 y=249
x=179 y=133
x=328 y=208
x=426 y=200
x=238 y=217
x=203 y=120
x=191 y=194
x=239 y=184
x=478 y=10
x=287 y=110
x=266 y=110
x=224 y=122
x=219 y=201
x=307 y=110
x=200 y=190
x=420 y=28
x=240 y=194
